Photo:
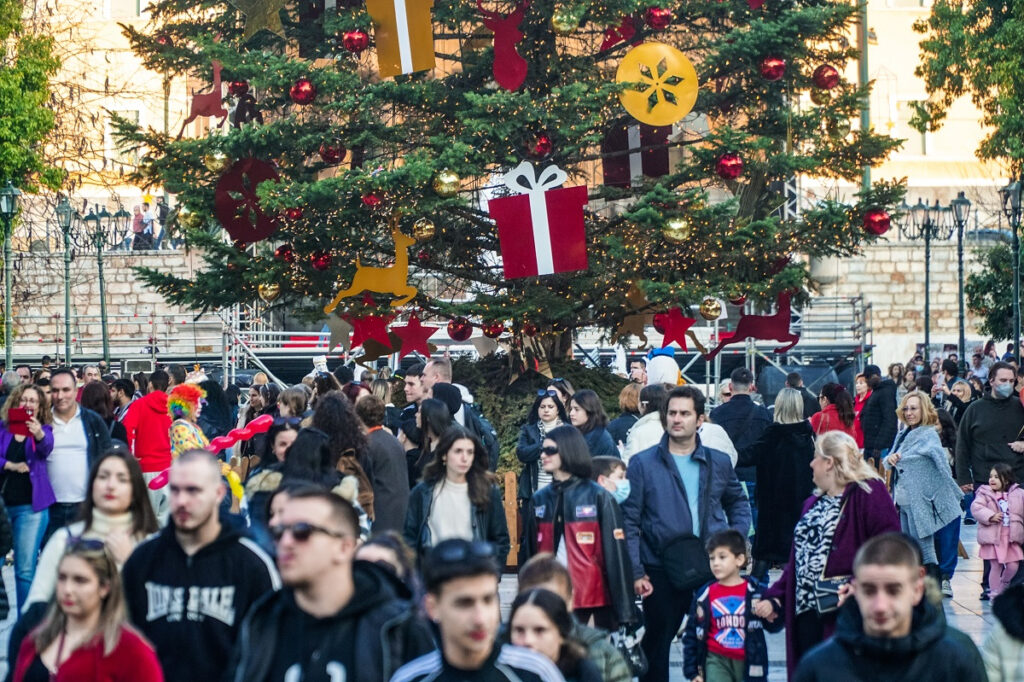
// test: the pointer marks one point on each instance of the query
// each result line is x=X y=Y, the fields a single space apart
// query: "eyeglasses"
x=547 y=392
x=301 y=531
x=549 y=450
x=460 y=551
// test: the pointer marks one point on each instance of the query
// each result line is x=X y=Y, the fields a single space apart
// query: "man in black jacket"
x=878 y=418
x=744 y=421
x=336 y=618
x=188 y=588
x=462 y=598
x=891 y=631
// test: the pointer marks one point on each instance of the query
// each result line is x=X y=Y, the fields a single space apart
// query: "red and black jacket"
x=587 y=518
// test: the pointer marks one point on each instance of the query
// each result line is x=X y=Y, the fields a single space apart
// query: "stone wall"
x=891 y=277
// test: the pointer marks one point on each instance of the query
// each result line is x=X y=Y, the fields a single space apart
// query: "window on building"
x=120 y=9
x=118 y=157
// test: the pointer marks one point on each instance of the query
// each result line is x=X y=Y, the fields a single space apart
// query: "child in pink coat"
x=999 y=509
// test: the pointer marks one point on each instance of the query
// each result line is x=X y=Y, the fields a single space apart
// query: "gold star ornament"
x=261 y=15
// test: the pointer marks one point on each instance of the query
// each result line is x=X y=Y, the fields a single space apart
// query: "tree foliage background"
x=404 y=131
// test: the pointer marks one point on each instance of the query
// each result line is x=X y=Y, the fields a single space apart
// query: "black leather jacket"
x=489 y=523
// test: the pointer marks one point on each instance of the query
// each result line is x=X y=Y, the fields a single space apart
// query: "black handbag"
x=685 y=561
x=826 y=593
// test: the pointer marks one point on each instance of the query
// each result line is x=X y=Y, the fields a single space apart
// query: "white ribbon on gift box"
x=636 y=162
x=523 y=178
x=402 y=28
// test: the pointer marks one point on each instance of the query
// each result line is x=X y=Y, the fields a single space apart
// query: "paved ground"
x=965 y=611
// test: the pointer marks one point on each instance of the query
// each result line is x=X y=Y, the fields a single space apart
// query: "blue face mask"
x=621 y=490
x=1003 y=390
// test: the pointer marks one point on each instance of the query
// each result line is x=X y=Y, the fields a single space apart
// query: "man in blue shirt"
x=677 y=488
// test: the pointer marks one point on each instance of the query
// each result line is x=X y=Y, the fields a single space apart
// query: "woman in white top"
x=457 y=497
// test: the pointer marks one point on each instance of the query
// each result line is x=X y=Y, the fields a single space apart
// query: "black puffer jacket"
x=932 y=651
x=878 y=419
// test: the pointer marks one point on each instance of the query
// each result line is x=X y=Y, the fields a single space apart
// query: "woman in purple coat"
x=24 y=484
x=850 y=504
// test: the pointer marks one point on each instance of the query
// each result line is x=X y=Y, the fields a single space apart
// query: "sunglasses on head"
x=550 y=449
x=461 y=551
x=301 y=531
x=279 y=421
x=80 y=544
x=547 y=392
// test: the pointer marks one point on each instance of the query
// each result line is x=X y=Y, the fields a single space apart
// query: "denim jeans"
x=29 y=527
x=61 y=514
x=947 y=543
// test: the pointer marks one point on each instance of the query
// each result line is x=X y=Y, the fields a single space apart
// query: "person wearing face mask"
x=580 y=523
x=610 y=474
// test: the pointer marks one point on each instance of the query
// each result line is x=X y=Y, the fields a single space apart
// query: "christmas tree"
x=356 y=129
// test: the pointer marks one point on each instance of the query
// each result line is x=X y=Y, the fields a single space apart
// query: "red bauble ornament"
x=293 y=213
x=658 y=18
x=238 y=88
x=530 y=329
x=493 y=330
x=164 y=40
x=332 y=153
x=320 y=260
x=541 y=147
x=371 y=199
x=303 y=91
x=285 y=253
x=738 y=300
x=355 y=41
x=877 y=221
x=729 y=166
x=773 y=68
x=826 y=77
x=460 y=329
x=659 y=321
x=423 y=256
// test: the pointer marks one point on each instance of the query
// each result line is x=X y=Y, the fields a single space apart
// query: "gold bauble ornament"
x=564 y=21
x=677 y=230
x=820 y=97
x=187 y=218
x=710 y=308
x=269 y=292
x=424 y=228
x=838 y=128
x=217 y=162
x=447 y=183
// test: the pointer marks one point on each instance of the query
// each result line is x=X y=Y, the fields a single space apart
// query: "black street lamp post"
x=928 y=223
x=8 y=209
x=1012 y=210
x=961 y=209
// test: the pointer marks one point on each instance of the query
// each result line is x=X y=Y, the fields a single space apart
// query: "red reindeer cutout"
x=773 y=327
x=208 y=103
x=509 y=65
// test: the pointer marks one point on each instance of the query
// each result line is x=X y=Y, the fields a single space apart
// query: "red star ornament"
x=414 y=337
x=675 y=328
x=369 y=327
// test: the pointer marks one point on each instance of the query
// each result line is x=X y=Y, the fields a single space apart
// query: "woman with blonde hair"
x=925 y=492
x=850 y=504
x=781 y=458
x=85 y=636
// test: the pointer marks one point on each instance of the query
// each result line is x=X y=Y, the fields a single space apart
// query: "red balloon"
x=460 y=329
x=729 y=166
x=285 y=252
x=221 y=443
x=160 y=480
x=238 y=88
x=493 y=330
x=303 y=91
x=877 y=221
x=320 y=260
x=773 y=68
x=826 y=77
x=261 y=424
x=332 y=153
x=355 y=41
x=658 y=18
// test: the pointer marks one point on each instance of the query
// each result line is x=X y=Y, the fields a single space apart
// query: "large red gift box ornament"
x=647 y=148
x=540 y=230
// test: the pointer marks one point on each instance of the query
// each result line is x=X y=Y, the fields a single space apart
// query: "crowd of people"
x=348 y=538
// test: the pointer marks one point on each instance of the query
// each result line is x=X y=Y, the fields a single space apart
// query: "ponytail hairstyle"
x=836 y=394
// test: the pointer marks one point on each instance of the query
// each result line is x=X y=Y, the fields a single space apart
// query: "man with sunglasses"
x=461 y=578
x=188 y=588
x=336 y=619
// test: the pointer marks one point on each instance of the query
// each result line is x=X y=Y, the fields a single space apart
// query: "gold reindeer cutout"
x=392 y=279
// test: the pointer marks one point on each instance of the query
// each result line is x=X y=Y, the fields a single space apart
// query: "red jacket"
x=132 y=660
x=828 y=420
x=149 y=432
x=858 y=405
